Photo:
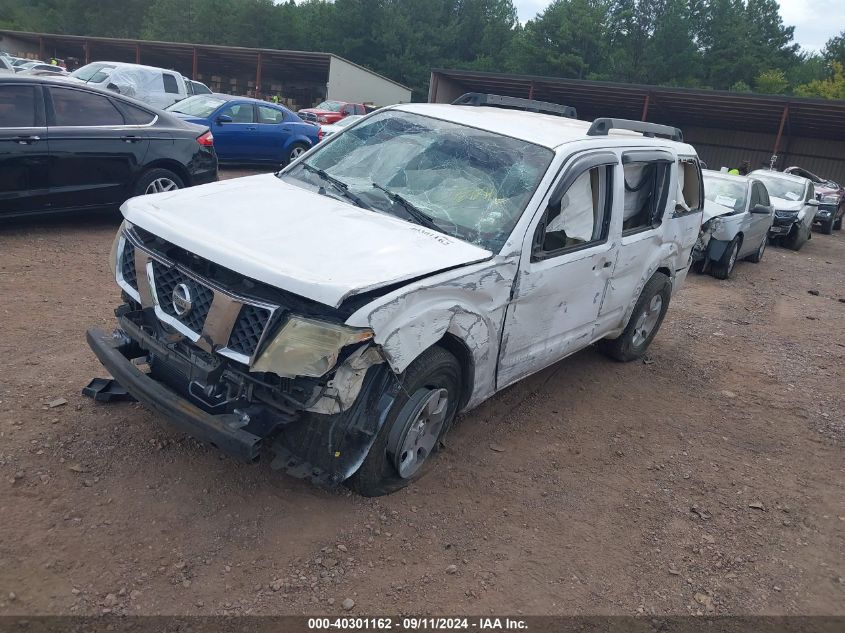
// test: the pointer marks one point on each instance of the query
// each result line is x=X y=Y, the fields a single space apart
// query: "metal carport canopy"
x=816 y=118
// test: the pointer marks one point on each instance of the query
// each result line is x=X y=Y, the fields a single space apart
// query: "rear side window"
x=759 y=195
x=135 y=115
x=646 y=189
x=170 y=84
x=689 y=187
x=359 y=109
x=17 y=106
x=270 y=115
x=77 y=108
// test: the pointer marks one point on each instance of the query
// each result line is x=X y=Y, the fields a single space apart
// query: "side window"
x=240 y=113
x=135 y=115
x=170 y=84
x=17 y=106
x=77 y=108
x=646 y=189
x=811 y=192
x=690 y=189
x=359 y=109
x=270 y=115
x=580 y=218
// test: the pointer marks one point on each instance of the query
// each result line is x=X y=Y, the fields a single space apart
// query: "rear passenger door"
x=274 y=131
x=759 y=223
x=24 y=153
x=95 y=155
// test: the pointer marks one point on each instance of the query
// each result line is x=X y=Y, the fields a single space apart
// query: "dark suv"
x=68 y=147
x=831 y=197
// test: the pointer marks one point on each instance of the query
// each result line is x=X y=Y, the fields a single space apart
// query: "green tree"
x=834 y=50
x=830 y=88
x=771 y=82
x=740 y=86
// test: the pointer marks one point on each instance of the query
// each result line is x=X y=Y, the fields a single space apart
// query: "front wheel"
x=422 y=412
x=827 y=227
x=644 y=322
x=725 y=266
x=797 y=238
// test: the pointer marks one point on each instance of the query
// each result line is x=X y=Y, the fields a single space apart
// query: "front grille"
x=166 y=279
x=247 y=331
x=127 y=265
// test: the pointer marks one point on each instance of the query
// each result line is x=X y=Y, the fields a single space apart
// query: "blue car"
x=249 y=130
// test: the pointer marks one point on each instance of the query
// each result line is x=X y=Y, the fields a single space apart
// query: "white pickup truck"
x=346 y=308
x=158 y=87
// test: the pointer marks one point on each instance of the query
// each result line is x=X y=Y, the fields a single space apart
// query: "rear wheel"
x=725 y=266
x=837 y=224
x=296 y=150
x=644 y=323
x=157 y=181
x=419 y=417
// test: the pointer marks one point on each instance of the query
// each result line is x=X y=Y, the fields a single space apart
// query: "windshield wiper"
x=341 y=186
x=420 y=216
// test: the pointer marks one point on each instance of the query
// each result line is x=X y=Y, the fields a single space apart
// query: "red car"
x=831 y=197
x=334 y=111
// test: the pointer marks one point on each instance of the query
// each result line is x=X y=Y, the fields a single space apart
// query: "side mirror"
x=762 y=209
x=223 y=118
x=813 y=202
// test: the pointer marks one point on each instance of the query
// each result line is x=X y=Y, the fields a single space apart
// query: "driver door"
x=567 y=260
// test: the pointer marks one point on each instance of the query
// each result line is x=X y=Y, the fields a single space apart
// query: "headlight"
x=307 y=347
x=113 y=252
x=830 y=199
x=716 y=224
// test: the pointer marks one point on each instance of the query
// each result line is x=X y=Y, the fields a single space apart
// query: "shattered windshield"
x=726 y=192
x=468 y=183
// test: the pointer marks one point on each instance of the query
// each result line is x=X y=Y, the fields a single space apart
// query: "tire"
x=634 y=341
x=797 y=239
x=837 y=225
x=757 y=256
x=390 y=465
x=157 y=180
x=724 y=268
x=296 y=150
x=827 y=227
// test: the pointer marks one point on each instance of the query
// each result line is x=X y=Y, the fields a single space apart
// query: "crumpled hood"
x=297 y=240
x=782 y=204
x=713 y=210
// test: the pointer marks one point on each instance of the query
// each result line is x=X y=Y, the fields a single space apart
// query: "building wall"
x=18 y=47
x=728 y=148
x=348 y=82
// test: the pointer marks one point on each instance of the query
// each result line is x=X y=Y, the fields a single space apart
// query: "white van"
x=156 y=86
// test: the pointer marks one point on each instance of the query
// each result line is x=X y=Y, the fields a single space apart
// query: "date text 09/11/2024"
x=417 y=624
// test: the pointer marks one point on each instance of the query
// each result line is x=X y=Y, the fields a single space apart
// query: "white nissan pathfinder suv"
x=343 y=310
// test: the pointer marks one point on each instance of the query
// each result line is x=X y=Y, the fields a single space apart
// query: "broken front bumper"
x=223 y=431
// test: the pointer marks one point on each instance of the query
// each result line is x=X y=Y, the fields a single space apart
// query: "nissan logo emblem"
x=182 y=300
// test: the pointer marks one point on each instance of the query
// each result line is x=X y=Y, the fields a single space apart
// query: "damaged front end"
x=242 y=365
x=714 y=237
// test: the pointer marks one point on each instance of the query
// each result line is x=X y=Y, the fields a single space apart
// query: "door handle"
x=27 y=140
x=251 y=127
x=130 y=139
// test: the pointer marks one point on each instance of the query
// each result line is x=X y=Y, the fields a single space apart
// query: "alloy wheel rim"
x=422 y=433
x=647 y=320
x=160 y=185
x=296 y=152
x=732 y=260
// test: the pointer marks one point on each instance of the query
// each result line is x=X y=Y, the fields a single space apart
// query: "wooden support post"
x=783 y=119
x=646 y=103
x=258 y=77
x=41 y=52
x=137 y=52
x=531 y=91
x=194 y=71
x=87 y=47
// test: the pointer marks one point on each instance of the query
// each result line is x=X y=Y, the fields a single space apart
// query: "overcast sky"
x=815 y=21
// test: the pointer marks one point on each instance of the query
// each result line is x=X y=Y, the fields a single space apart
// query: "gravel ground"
x=707 y=479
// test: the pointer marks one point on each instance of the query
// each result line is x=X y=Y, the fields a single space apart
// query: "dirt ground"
x=708 y=479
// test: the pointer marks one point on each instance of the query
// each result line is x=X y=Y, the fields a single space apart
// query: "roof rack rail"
x=515 y=103
x=601 y=127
